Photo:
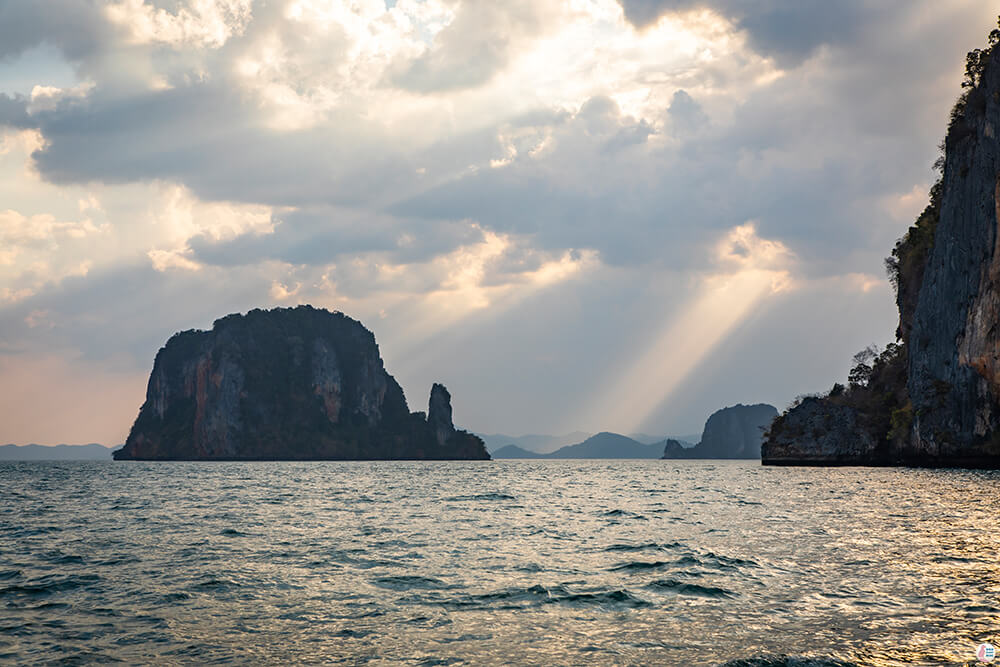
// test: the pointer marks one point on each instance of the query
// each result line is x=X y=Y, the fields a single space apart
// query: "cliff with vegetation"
x=932 y=398
x=299 y=384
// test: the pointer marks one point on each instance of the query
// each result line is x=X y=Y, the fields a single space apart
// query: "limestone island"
x=730 y=433
x=286 y=384
x=932 y=398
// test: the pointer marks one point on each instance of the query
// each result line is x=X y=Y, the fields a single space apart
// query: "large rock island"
x=286 y=384
x=730 y=433
x=933 y=397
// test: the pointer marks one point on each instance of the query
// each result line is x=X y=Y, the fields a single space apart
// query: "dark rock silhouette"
x=730 y=433
x=933 y=398
x=295 y=383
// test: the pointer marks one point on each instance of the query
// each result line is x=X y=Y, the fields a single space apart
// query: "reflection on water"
x=524 y=562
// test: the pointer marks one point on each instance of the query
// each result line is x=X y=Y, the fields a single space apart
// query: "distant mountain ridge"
x=535 y=443
x=515 y=452
x=607 y=445
x=89 y=452
x=602 y=445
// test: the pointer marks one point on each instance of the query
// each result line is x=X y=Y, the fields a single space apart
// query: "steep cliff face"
x=933 y=399
x=730 y=433
x=954 y=371
x=294 y=383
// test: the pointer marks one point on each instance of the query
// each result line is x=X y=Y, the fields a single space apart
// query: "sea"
x=568 y=562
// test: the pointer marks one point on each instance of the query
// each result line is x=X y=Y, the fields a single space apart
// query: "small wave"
x=692 y=590
x=787 y=661
x=175 y=597
x=616 y=598
x=215 y=585
x=39 y=530
x=434 y=662
x=464 y=638
x=348 y=633
x=48 y=585
x=232 y=532
x=481 y=496
x=64 y=559
x=641 y=565
x=409 y=582
x=650 y=546
x=6 y=575
x=516 y=598
x=117 y=560
x=716 y=561
x=529 y=594
x=623 y=514
x=730 y=561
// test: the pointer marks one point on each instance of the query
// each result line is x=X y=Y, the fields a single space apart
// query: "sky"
x=577 y=214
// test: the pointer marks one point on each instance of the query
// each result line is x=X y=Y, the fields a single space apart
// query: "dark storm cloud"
x=788 y=30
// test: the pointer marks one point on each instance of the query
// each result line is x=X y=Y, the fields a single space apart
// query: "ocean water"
x=496 y=563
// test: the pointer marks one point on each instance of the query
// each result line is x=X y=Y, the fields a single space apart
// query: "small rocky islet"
x=287 y=384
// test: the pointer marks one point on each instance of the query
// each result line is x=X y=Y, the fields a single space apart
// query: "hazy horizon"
x=598 y=215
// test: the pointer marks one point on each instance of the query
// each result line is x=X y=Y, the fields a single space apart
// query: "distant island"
x=735 y=432
x=90 y=452
x=932 y=398
x=286 y=384
x=731 y=433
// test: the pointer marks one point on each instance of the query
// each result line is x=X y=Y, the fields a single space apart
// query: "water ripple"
x=496 y=563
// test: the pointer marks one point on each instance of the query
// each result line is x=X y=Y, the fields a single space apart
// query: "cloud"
x=788 y=30
x=475 y=45
x=201 y=23
x=528 y=178
x=76 y=27
x=14 y=112
x=686 y=115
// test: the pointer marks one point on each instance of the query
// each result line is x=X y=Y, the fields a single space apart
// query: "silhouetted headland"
x=286 y=384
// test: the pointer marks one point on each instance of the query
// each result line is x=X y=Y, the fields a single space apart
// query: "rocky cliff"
x=299 y=384
x=932 y=398
x=730 y=433
x=954 y=361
